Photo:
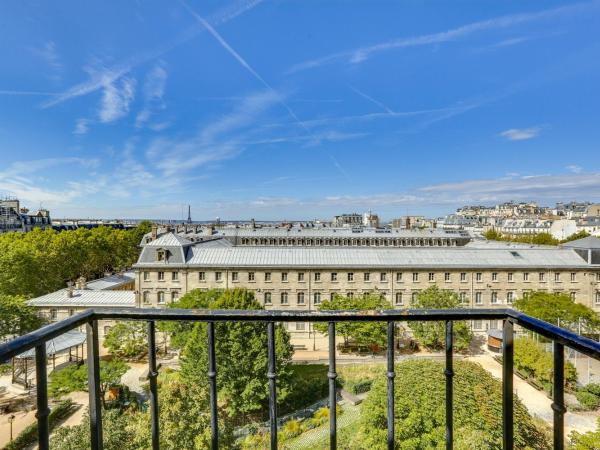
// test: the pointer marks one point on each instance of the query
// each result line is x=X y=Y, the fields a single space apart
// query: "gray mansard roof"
x=213 y=254
x=85 y=298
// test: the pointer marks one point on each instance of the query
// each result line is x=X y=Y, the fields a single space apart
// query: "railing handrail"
x=28 y=341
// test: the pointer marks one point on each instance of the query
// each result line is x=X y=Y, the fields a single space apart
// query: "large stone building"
x=15 y=218
x=293 y=274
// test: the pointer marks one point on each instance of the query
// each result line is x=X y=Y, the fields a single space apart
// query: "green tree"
x=493 y=235
x=575 y=236
x=127 y=339
x=585 y=441
x=431 y=334
x=363 y=333
x=420 y=410
x=558 y=308
x=74 y=378
x=17 y=317
x=241 y=352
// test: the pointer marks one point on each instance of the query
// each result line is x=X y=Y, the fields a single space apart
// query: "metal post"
x=152 y=375
x=332 y=392
x=42 y=396
x=95 y=408
x=390 y=376
x=449 y=372
x=507 y=386
x=212 y=380
x=272 y=376
x=558 y=405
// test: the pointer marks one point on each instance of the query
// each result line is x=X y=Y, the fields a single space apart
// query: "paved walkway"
x=536 y=401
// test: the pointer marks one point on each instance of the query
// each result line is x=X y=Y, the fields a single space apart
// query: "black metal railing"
x=90 y=318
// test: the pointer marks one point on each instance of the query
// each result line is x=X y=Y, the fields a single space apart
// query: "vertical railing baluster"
x=507 y=385
x=152 y=375
x=212 y=380
x=332 y=391
x=390 y=376
x=449 y=372
x=95 y=407
x=42 y=396
x=272 y=375
x=558 y=405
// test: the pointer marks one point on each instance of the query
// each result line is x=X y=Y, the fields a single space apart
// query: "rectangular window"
x=146 y=297
x=510 y=297
x=573 y=277
x=383 y=277
x=333 y=276
x=525 y=276
x=235 y=276
x=510 y=277
x=300 y=298
x=478 y=277
x=267 y=276
x=399 y=277
x=284 y=298
x=542 y=276
x=174 y=296
x=598 y=277
x=201 y=276
x=415 y=276
x=250 y=276
x=494 y=276
x=414 y=296
x=525 y=294
x=399 y=300
x=463 y=276
x=477 y=324
x=447 y=276
x=160 y=297
x=174 y=276
x=300 y=326
x=317 y=276
x=301 y=276
x=463 y=297
x=367 y=276
x=350 y=294
x=493 y=324
x=53 y=314
x=71 y=312
x=494 y=299
x=267 y=298
x=218 y=276
x=573 y=296
x=161 y=276
x=557 y=277
x=431 y=276
x=317 y=298
x=350 y=276
x=284 y=276
x=146 y=276
x=478 y=298
x=332 y=295
x=597 y=297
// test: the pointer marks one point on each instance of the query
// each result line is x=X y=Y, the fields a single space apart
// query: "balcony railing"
x=90 y=318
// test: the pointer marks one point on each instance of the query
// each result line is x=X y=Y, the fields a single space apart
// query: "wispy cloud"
x=117 y=96
x=48 y=52
x=574 y=168
x=82 y=126
x=361 y=54
x=521 y=134
x=154 y=89
x=97 y=81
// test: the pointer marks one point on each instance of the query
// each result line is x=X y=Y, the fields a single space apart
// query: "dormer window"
x=161 y=254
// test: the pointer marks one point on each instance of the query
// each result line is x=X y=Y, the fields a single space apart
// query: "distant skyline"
x=295 y=109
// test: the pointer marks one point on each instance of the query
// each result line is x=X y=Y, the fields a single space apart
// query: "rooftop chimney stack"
x=70 y=289
x=154 y=231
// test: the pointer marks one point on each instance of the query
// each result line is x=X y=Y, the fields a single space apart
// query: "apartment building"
x=300 y=277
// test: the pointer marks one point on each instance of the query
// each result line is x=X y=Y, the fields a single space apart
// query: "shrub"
x=291 y=428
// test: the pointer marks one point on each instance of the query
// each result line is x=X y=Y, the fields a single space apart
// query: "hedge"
x=30 y=434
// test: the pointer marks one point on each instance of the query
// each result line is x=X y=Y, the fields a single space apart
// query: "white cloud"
x=521 y=134
x=154 y=89
x=82 y=126
x=361 y=54
x=116 y=98
x=574 y=168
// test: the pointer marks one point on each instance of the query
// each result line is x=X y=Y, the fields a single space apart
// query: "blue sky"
x=297 y=109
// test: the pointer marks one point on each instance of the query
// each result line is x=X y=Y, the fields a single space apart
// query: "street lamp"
x=11 y=419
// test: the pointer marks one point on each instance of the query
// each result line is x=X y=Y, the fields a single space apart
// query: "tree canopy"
x=241 y=352
x=543 y=238
x=127 y=339
x=420 y=410
x=17 y=317
x=559 y=309
x=432 y=335
x=42 y=261
x=362 y=333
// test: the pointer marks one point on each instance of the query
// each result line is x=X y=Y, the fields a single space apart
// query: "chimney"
x=154 y=231
x=70 y=289
x=81 y=283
